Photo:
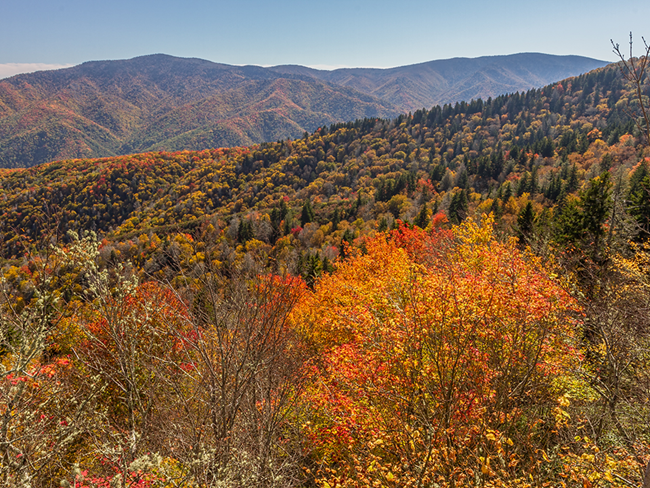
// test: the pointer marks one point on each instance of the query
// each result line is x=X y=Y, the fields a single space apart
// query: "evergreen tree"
x=582 y=222
x=437 y=172
x=639 y=207
x=584 y=142
x=411 y=182
x=534 y=185
x=606 y=162
x=526 y=222
x=422 y=218
x=546 y=148
x=596 y=203
x=497 y=164
x=383 y=225
x=507 y=192
x=564 y=168
x=572 y=183
x=524 y=184
x=312 y=269
x=328 y=267
x=458 y=207
x=278 y=214
x=496 y=209
x=637 y=177
x=245 y=231
x=568 y=224
x=359 y=201
x=554 y=188
x=463 y=180
x=307 y=214
x=286 y=228
x=336 y=219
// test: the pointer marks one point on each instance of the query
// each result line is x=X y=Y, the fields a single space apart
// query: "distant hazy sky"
x=318 y=33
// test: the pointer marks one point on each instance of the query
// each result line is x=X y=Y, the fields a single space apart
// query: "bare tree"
x=249 y=368
x=634 y=71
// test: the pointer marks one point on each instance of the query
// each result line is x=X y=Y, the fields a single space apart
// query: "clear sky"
x=326 y=34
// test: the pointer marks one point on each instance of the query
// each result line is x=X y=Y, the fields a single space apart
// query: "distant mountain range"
x=443 y=81
x=160 y=102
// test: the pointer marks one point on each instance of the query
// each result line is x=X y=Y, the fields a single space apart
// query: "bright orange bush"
x=443 y=356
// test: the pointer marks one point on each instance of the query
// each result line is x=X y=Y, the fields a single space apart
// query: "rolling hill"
x=452 y=80
x=157 y=102
x=160 y=102
x=542 y=143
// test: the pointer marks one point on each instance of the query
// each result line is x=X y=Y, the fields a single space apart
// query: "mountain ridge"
x=449 y=72
x=162 y=102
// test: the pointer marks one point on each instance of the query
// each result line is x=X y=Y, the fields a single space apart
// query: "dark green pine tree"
x=507 y=192
x=458 y=207
x=300 y=264
x=328 y=267
x=572 y=183
x=245 y=231
x=463 y=180
x=288 y=222
x=568 y=224
x=552 y=191
x=596 y=202
x=278 y=214
x=437 y=172
x=312 y=268
x=606 y=162
x=524 y=184
x=639 y=207
x=637 y=176
x=526 y=223
x=564 y=168
x=534 y=184
x=496 y=209
x=581 y=223
x=358 y=203
x=411 y=184
x=383 y=225
x=336 y=219
x=307 y=214
x=422 y=218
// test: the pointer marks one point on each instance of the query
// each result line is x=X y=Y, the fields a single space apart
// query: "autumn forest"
x=458 y=296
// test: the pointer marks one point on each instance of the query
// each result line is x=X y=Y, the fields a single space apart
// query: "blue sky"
x=327 y=34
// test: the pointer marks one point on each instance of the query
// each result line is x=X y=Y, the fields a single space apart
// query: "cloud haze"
x=11 y=69
x=332 y=67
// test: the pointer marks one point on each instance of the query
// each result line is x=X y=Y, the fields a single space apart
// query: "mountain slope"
x=496 y=155
x=450 y=80
x=108 y=108
x=159 y=102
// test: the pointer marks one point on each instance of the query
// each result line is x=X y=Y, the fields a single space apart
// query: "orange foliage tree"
x=443 y=355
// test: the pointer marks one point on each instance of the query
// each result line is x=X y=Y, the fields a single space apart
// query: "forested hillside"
x=442 y=81
x=454 y=297
x=539 y=146
x=159 y=102
x=107 y=108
